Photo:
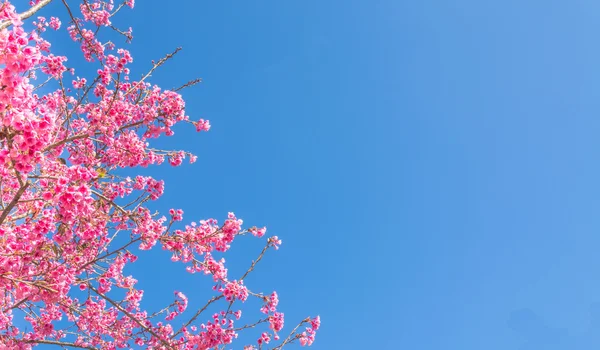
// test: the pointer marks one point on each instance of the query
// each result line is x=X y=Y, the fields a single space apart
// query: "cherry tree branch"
x=154 y=67
x=28 y=13
x=133 y=318
x=196 y=315
x=14 y=202
x=60 y=343
x=251 y=268
x=188 y=84
x=290 y=338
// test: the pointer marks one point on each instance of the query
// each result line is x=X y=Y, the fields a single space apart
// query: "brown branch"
x=115 y=205
x=127 y=35
x=75 y=22
x=188 y=84
x=84 y=135
x=133 y=318
x=14 y=202
x=251 y=268
x=154 y=67
x=118 y=9
x=28 y=13
x=60 y=343
x=62 y=142
x=289 y=338
x=17 y=304
x=196 y=315
x=252 y=325
x=109 y=254
x=80 y=101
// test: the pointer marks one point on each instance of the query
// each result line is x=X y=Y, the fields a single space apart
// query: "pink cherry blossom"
x=71 y=225
x=54 y=23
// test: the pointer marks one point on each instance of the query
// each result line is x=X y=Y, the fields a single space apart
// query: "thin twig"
x=188 y=84
x=154 y=67
x=251 y=268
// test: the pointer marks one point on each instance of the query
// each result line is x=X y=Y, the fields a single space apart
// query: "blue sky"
x=431 y=166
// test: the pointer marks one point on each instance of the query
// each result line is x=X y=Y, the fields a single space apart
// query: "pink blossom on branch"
x=63 y=206
x=55 y=23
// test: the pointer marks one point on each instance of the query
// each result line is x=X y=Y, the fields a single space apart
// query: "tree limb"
x=133 y=318
x=28 y=13
x=60 y=343
x=14 y=202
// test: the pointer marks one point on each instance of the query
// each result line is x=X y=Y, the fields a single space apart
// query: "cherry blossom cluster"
x=70 y=224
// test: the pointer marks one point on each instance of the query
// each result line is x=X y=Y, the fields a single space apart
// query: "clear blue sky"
x=431 y=166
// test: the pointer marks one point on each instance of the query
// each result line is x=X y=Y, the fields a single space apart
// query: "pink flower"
x=264 y=338
x=54 y=23
x=316 y=323
x=276 y=321
x=271 y=304
x=54 y=65
x=258 y=232
x=202 y=125
x=275 y=242
x=235 y=290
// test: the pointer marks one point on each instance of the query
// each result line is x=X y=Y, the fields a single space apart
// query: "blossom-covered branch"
x=70 y=224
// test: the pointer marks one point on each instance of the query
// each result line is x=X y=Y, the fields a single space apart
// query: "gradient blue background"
x=431 y=166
